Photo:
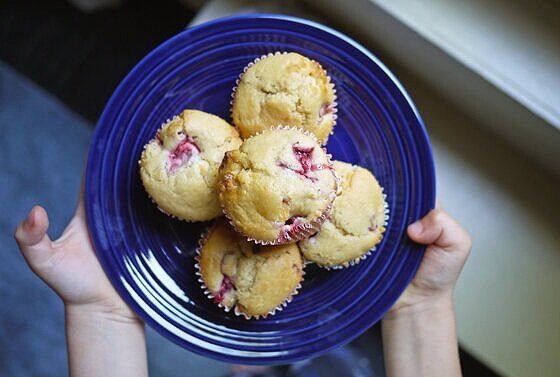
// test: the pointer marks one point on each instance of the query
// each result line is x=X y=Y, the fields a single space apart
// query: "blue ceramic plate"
x=149 y=256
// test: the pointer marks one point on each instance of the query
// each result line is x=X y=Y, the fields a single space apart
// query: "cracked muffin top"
x=284 y=89
x=278 y=187
x=255 y=279
x=179 y=167
x=356 y=223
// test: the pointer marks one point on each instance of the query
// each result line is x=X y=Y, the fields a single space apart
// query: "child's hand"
x=419 y=335
x=69 y=265
x=104 y=337
x=448 y=248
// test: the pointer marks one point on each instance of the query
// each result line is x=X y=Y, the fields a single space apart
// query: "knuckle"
x=439 y=218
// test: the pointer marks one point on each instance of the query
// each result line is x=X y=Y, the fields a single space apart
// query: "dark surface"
x=472 y=367
x=80 y=59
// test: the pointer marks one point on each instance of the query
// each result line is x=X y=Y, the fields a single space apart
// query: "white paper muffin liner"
x=270 y=54
x=365 y=255
x=304 y=230
x=236 y=310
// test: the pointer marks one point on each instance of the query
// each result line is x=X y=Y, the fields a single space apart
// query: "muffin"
x=278 y=187
x=284 y=89
x=256 y=280
x=356 y=224
x=179 y=167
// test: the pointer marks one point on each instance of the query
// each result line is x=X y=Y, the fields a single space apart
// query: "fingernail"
x=29 y=220
x=415 y=228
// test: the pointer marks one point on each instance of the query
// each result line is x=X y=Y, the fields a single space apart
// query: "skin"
x=106 y=338
x=419 y=333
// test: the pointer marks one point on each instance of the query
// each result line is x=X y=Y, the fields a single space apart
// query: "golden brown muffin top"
x=277 y=185
x=356 y=223
x=179 y=167
x=256 y=279
x=284 y=89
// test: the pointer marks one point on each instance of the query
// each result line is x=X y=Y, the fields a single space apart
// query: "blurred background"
x=484 y=74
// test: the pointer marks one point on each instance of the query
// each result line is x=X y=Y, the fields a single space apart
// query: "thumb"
x=32 y=239
x=439 y=229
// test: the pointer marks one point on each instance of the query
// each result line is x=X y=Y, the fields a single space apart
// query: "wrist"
x=104 y=342
x=101 y=314
x=428 y=306
x=421 y=339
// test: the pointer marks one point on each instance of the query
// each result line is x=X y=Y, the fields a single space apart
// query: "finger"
x=31 y=236
x=439 y=229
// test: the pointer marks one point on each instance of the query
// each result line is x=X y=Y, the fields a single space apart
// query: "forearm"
x=101 y=344
x=421 y=342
